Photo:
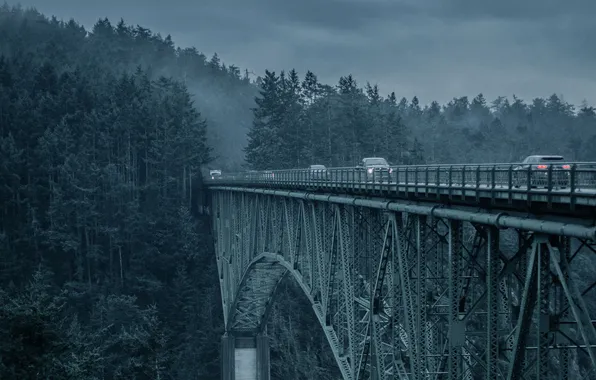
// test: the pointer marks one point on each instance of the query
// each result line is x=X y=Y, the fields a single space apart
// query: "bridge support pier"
x=245 y=358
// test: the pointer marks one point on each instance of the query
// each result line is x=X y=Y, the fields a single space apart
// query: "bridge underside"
x=405 y=292
x=255 y=295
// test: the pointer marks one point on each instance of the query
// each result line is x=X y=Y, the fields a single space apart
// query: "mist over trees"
x=223 y=93
x=106 y=269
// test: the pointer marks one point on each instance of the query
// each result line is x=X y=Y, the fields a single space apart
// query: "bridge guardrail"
x=578 y=179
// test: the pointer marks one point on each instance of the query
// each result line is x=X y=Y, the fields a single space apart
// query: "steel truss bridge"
x=438 y=272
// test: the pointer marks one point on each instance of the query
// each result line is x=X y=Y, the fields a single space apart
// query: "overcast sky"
x=435 y=49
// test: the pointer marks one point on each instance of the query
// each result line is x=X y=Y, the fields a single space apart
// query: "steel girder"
x=406 y=295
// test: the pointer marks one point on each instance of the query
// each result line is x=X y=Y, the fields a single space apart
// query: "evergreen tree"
x=263 y=149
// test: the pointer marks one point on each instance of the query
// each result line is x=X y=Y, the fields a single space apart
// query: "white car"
x=318 y=172
x=215 y=173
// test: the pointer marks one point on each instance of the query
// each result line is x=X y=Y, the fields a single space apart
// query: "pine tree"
x=262 y=151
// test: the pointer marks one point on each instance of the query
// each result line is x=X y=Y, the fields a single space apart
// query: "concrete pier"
x=245 y=358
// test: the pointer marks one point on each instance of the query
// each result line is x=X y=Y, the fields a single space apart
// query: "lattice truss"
x=405 y=296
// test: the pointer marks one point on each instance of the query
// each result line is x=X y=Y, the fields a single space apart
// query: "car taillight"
x=567 y=167
x=541 y=166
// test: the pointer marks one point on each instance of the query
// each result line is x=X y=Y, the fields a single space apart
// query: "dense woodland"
x=106 y=268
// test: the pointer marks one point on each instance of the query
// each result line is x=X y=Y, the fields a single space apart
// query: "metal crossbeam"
x=408 y=291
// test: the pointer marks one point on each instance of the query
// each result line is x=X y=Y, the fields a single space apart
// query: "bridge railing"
x=578 y=175
x=575 y=178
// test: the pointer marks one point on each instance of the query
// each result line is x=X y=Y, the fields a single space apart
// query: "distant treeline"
x=302 y=122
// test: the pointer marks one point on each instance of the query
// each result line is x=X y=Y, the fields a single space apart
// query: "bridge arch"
x=333 y=254
x=398 y=287
x=252 y=304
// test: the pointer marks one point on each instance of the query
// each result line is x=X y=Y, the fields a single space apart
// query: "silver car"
x=537 y=168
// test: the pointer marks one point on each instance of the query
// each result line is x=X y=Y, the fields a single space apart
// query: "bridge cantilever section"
x=258 y=242
x=407 y=286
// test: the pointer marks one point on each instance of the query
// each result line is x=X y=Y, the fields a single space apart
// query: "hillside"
x=106 y=269
x=222 y=92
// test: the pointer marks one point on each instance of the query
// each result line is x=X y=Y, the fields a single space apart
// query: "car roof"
x=546 y=156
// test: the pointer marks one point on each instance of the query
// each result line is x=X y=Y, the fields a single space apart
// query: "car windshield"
x=375 y=161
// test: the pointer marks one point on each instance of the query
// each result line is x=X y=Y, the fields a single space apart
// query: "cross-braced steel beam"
x=401 y=292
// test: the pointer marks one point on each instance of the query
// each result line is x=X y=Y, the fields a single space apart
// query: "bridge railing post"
x=572 y=185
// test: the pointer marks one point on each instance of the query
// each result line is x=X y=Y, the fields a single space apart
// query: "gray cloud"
x=435 y=49
x=529 y=10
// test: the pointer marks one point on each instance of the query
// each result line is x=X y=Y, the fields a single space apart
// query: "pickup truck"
x=377 y=169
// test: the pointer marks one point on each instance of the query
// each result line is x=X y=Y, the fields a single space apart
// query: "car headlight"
x=390 y=170
x=370 y=170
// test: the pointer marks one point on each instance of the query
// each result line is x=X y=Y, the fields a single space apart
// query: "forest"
x=107 y=269
x=314 y=123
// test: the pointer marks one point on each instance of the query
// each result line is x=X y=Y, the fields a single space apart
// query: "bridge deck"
x=491 y=186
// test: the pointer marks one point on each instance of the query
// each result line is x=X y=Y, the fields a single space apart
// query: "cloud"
x=436 y=49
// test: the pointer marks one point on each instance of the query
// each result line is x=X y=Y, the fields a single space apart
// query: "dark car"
x=537 y=167
x=377 y=169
